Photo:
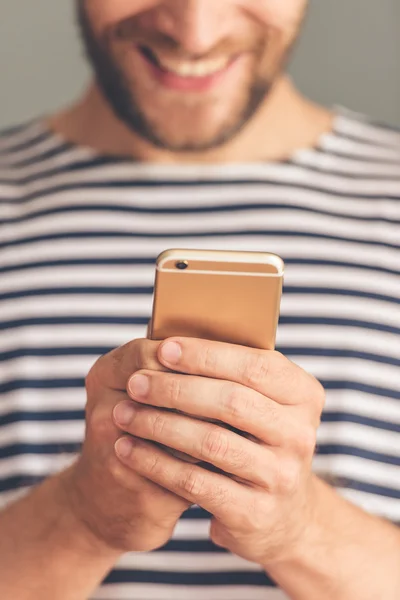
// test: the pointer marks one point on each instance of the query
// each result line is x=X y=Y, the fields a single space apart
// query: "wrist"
x=313 y=564
x=311 y=535
x=78 y=527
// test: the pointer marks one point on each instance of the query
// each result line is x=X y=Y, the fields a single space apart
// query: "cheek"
x=279 y=14
x=108 y=13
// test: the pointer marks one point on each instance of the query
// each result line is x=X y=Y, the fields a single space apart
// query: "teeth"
x=198 y=68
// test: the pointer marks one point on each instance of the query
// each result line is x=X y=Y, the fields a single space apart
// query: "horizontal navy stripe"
x=133 y=260
x=148 y=290
x=370 y=488
x=202 y=578
x=323 y=291
x=42 y=352
x=295 y=320
x=197 y=209
x=196 y=514
x=41 y=384
x=345 y=450
x=360 y=387
x=100 y=235
x=94 y=351
x=65 y=383
x=365 y=141
x=142 y=321
x=75 y=163
x=245 y=182
x=292 y=351
x=86 y=320
x=79 y=164
x=338 y=170
x=348 y=417
x=17 y=482
x=336 y=353
x=42 y=416
x=77 y=290
x=358 y=157
x=205 y=546
x=39 y=449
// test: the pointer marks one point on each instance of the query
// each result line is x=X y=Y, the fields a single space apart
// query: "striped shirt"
x=78 y=240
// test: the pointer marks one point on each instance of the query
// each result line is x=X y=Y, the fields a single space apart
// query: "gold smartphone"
x=226 y=296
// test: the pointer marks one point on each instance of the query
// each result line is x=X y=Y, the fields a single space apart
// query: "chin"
x=194 y=133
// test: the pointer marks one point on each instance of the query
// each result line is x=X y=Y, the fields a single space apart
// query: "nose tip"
x=196 y=25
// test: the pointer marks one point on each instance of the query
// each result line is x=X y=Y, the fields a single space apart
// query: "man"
x=191 y=135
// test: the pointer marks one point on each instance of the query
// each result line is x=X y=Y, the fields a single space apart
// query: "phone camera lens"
x=182 y=265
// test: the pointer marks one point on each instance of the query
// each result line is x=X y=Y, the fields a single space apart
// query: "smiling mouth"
x=196 y=69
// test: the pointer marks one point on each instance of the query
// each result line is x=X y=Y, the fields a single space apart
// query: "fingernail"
x=171 y=352
x=123 y=447
x=124 y=413
x=138 y=386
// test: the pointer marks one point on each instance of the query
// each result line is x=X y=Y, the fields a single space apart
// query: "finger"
x=101 y=429
x=215 y=400
x=131 y=480
x=204 y=441
x=267 y=372
x=212 y=491
x=115 y=368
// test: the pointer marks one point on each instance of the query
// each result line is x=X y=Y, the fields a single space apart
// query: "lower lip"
x=188 y=84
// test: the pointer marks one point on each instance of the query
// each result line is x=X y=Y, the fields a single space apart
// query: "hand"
x=260 y=489
x=122 y=508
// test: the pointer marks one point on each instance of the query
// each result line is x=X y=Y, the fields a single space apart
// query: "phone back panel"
x=224 y=296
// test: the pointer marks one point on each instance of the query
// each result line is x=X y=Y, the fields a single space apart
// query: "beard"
x=123 y=97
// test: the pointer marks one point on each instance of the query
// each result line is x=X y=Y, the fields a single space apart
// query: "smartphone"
x=226 y=296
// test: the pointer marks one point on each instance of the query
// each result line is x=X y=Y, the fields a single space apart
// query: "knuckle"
x=140 y=354
x=306 y=442
x=286 y=370
x=247 y=517
x=193 y=482
x=158 y=423
x=235 y=405
x=287 y=478
x=136 y=349
x=215 y=445
x=112 y=364
x=208 y=359
x=116 y=470
x=271 y=410
x=255 y=369
x=174 y=390
x=153 y=466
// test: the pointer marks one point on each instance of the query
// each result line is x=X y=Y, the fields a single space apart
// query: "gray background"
x=349 y=54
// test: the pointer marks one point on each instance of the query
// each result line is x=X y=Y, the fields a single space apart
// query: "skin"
x=253 y=113
x=125 y=492
x=266 y=504
x=195 y=30
x=261 y=498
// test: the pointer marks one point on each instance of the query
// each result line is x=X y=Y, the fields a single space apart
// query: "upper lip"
x=187 y=67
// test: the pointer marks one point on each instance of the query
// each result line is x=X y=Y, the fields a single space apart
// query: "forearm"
x=45 y=552
x=347 y=555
